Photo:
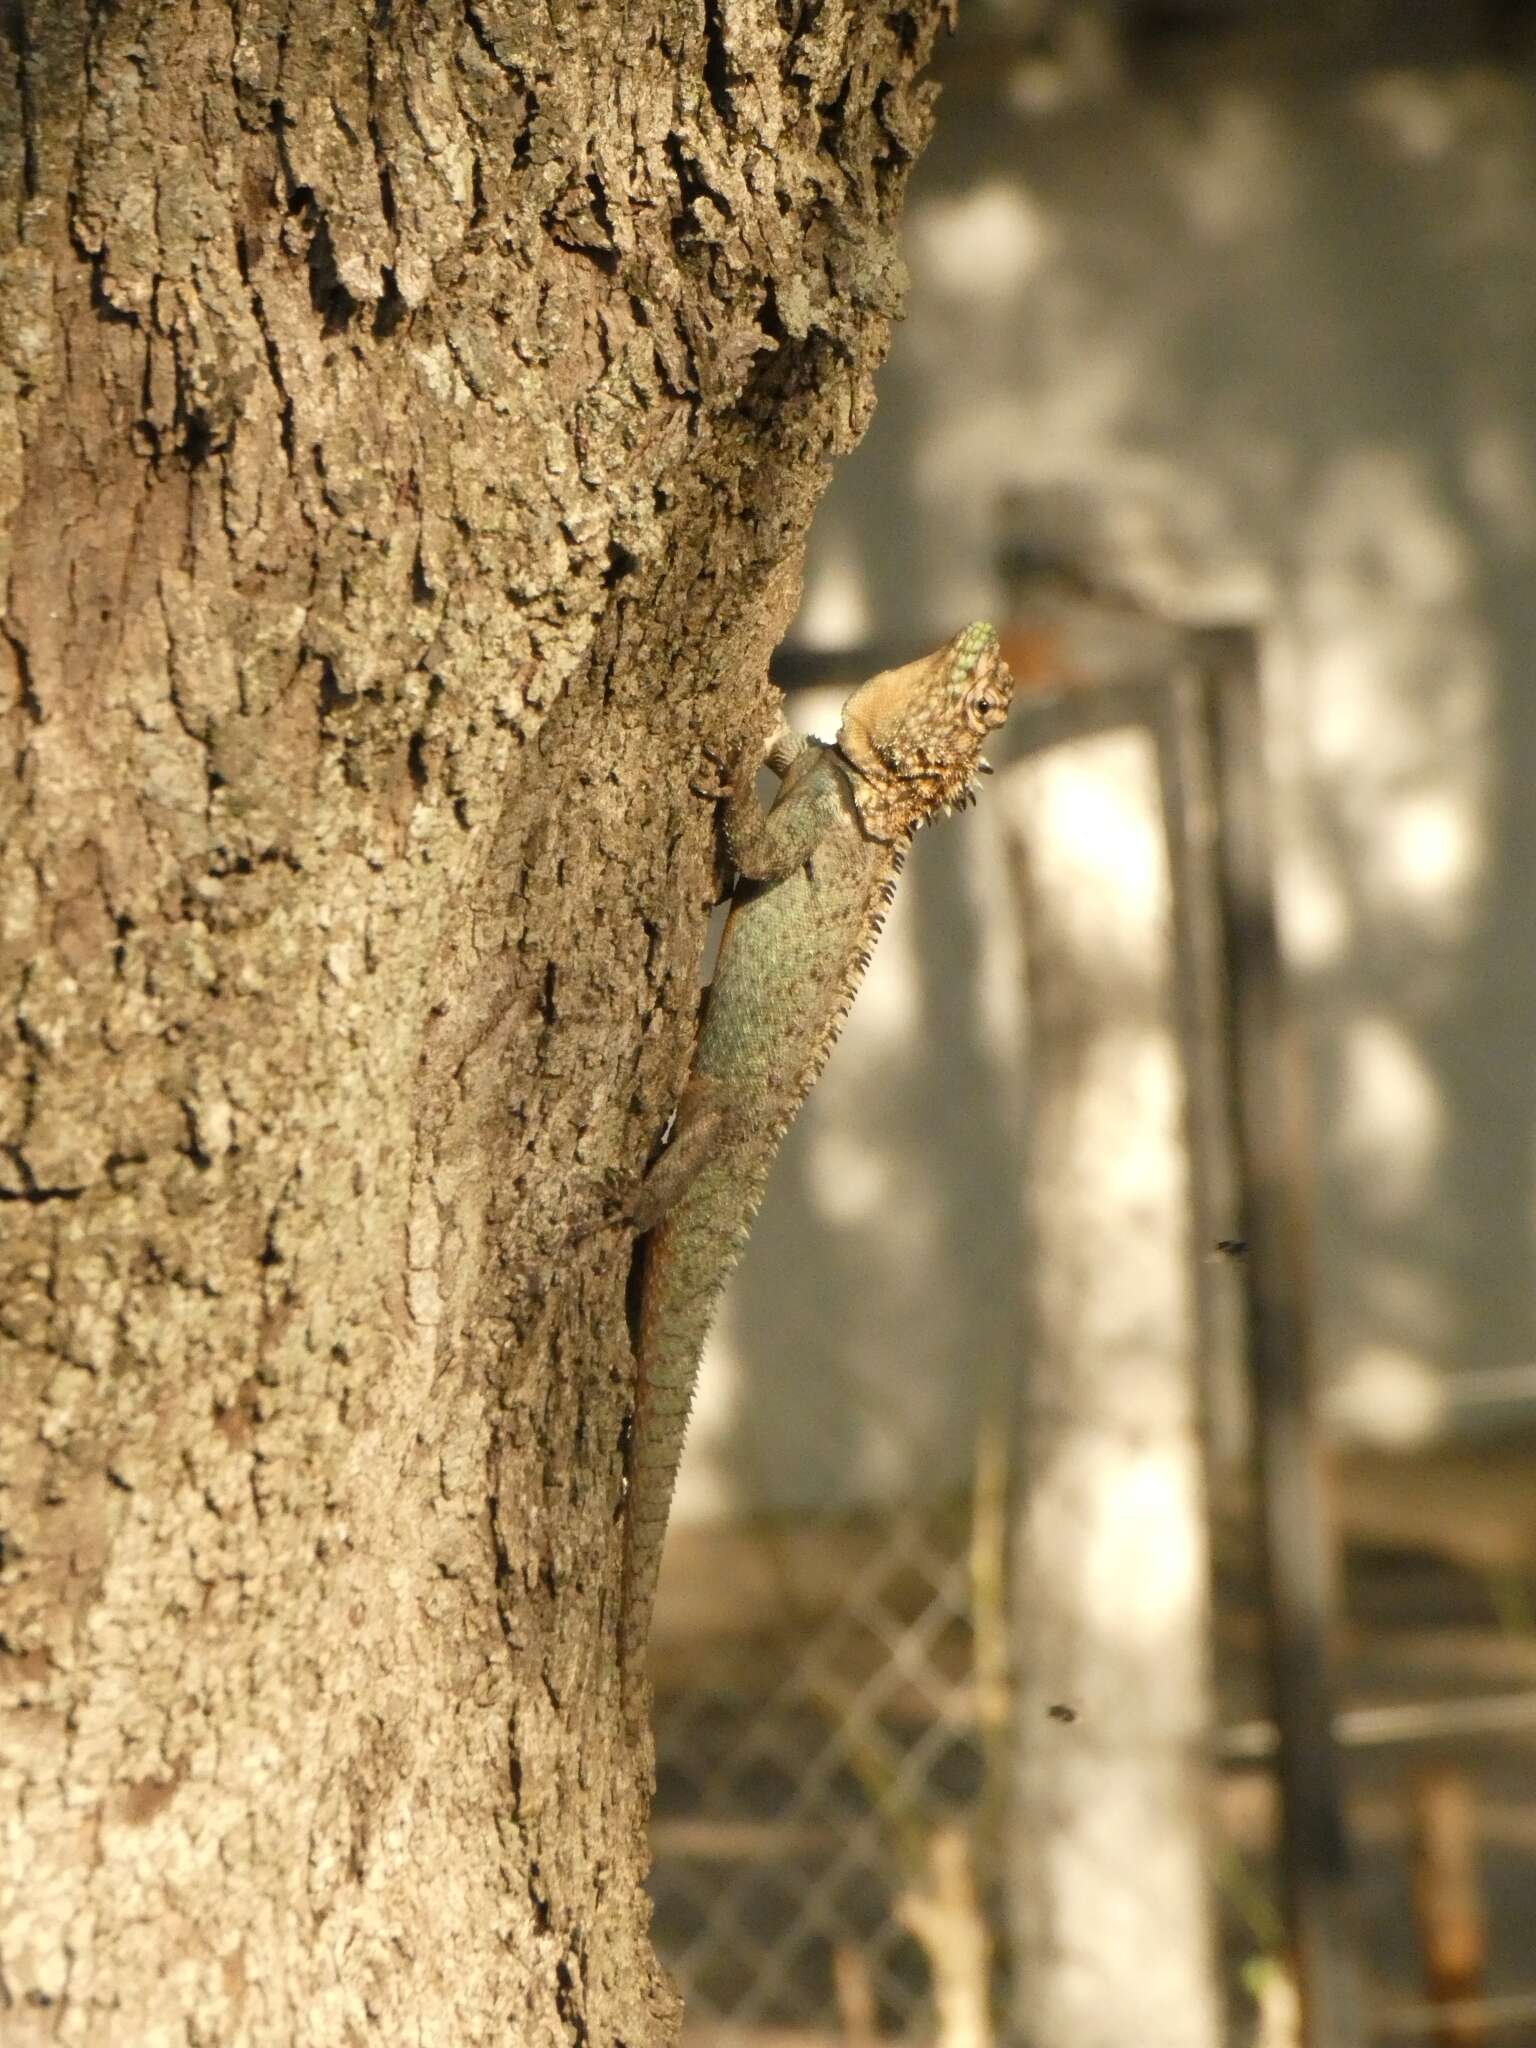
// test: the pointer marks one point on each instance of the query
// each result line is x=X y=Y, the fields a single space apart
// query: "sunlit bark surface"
x=409 y=420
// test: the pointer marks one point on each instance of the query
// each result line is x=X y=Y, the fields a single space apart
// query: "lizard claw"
x=611 y=1205
x=726 y=774
x=778 y=748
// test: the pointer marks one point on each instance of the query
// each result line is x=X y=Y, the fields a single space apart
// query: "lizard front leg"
x=766 y=846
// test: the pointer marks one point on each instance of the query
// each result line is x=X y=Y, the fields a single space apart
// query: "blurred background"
x=985 y=1711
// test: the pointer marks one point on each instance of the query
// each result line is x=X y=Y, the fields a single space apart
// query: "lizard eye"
x=984 y=711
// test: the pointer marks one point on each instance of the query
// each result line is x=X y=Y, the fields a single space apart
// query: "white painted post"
x=1111 y=1913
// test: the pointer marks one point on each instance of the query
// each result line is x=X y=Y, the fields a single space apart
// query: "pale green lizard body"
x=816 y=872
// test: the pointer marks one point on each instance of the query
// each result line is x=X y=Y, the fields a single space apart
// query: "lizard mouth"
x=939 y=789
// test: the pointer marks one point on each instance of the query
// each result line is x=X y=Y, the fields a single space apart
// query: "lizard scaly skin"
x=816 y=872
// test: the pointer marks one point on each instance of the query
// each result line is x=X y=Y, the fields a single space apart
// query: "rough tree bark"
x=412 y=415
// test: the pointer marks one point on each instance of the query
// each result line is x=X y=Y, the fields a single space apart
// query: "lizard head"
x=915 y=734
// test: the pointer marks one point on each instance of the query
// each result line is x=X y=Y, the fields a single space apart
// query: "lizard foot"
x=716 y=787
x=612 y=1205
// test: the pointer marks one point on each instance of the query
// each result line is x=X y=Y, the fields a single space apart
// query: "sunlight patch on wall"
x=1392 y=679
x=1314 y=911
x=1385 y=1396
x=981 y=245
x=1497 y=474
x=1471 y=127
x=1377 y=524
x=1231 y=163
x=835 y=611
x=1413 y=111
x=1082 y=61
x=1430 y=850
x=1390 y=1119
x=883 y=1453
x=850 y=1179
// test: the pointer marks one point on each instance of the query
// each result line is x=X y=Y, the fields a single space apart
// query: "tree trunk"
x=412 y=415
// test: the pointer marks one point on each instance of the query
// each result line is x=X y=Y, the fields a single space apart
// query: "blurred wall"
x=1256 y=331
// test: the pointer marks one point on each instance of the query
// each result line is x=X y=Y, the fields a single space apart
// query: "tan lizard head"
x=915 y=734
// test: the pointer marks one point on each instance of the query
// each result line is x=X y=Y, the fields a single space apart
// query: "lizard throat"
x=891 y=806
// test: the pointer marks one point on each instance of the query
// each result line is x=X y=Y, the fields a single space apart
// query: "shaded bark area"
x=409 y=421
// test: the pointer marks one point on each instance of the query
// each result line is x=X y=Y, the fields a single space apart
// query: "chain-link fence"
x=803 y=1789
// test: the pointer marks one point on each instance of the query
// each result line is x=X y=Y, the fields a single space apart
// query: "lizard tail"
x=661 y=1417
x=686 y=1259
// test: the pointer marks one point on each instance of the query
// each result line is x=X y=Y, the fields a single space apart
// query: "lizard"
x=815 y=874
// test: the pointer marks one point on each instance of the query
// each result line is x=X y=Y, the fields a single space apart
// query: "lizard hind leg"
x=623 y=1202
x=702 y=1127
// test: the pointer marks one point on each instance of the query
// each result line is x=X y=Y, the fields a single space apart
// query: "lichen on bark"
x=410 y=417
